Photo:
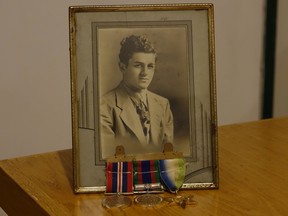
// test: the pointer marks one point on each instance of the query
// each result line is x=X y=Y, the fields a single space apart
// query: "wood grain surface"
x=253 y=180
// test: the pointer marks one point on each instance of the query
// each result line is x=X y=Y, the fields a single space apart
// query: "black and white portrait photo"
x=142 y=93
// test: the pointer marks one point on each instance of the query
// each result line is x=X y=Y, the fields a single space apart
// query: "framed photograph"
x=143 y=76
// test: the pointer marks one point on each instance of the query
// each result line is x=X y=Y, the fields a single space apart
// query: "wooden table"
x=253 y=159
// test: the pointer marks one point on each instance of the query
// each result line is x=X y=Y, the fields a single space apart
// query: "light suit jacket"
x=120 y=123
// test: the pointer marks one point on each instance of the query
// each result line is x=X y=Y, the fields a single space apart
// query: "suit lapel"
x=128 y=114
x=155 y=117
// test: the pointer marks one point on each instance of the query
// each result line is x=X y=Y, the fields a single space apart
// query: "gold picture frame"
x=183 y=35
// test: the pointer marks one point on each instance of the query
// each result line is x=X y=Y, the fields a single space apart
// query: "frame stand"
x=167 y=153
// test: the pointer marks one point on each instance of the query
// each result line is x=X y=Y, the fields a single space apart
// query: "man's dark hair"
x=133 y=44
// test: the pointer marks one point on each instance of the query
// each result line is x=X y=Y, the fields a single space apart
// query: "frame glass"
x=183 y=86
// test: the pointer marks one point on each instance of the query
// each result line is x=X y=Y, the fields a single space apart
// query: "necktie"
x=143 y=112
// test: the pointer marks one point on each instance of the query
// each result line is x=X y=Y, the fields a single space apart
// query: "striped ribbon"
x=172 y=173
x=119 y=177
x=146 y=173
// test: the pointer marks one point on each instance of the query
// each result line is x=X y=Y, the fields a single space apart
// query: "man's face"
x=139 y=72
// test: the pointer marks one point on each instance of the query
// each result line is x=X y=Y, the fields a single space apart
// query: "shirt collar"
x=135 y=96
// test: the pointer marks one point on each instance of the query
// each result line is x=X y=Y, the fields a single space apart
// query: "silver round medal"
x=118 y=201
x=148 y=199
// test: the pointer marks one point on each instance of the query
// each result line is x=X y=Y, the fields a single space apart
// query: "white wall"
x=281 y=63
x=35 y=77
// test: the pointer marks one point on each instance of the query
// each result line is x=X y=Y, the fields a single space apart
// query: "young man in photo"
x=131 y=115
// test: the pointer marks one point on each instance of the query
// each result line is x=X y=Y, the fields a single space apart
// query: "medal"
x=182 y=201
x=147 y=180
x=118 y=201
x=172 y=172
x=148 y=199
x=146 y=176
x=119 y=178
